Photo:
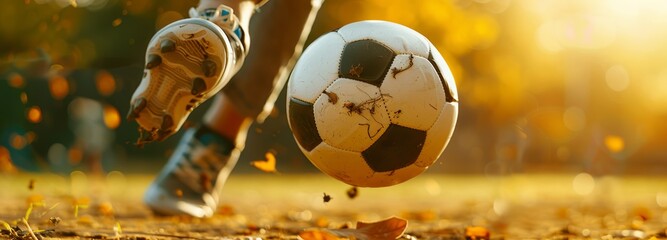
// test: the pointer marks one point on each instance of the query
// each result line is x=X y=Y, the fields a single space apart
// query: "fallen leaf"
x=268 y=165
x=317 y=234
x=477 y=233
x=322 y=222
x=391 y=228
x=105 y=209
x=226 y=210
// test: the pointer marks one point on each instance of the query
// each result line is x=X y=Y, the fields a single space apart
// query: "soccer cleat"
x=191 y=182
x=187 y=62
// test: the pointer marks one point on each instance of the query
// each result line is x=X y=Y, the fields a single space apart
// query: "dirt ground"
x=284 y=206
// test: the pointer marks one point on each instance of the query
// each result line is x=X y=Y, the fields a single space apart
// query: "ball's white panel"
x=414 y=92
x=350 y=115
x=346 y=166
x=349 y=167
x=439 y=135
x=317 y=68
x=445 y=71
x=399 y=38
x=385 y=179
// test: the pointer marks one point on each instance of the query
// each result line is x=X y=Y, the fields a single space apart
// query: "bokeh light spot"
x=583 y=184
x=59 y=87
x=24 y=97
x=17 y=141
x=6 y=161
x=16 y=80
x=57 y=153
x=35 y=114
x=432 y=187
x=111 y=117
x=75 y=155
x=661 y=199
x=30 y=137
x=614 y=143
x=116 y=22
x=105 y=83
x=617 y=78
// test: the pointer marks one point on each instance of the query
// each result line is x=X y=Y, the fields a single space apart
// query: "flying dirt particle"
x=31 y=184
x=326 y=198
x=179 y=193
x=55 y=220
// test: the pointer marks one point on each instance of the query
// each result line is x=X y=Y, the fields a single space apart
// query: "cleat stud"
x=139 y=105
x=167 y=45
x=131 y=116
x=208 y=67
x=153 y=61
x=136 y=108
x=198 y=86
x=162 y=135
x=149 y=137
x=167 y=122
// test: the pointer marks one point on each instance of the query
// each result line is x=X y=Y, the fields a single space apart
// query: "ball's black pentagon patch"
x=365 y=60
x=302 y=121
x=448 y=94
x=398 y=147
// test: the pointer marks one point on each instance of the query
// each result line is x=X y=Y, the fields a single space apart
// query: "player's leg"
x=191 y=181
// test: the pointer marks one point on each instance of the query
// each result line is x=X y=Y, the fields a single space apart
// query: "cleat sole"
x=187 y=62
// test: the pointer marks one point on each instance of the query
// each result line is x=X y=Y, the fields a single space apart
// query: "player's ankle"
x=207 y=136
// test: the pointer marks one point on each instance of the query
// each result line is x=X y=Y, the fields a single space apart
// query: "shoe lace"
x=222 y=16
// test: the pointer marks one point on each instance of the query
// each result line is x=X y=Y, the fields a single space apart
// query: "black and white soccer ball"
x=372 y=104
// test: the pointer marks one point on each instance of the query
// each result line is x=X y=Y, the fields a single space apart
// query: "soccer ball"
x=372 y=104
